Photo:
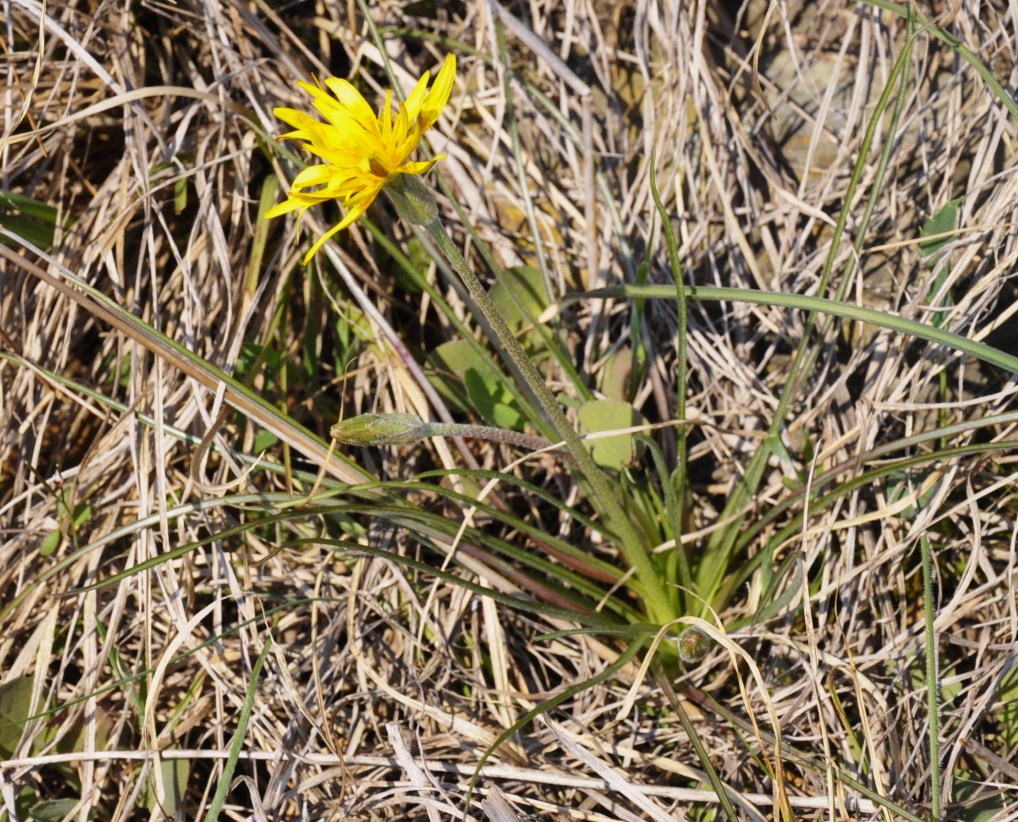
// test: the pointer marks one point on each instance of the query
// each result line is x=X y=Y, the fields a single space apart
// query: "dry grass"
x=142 y=124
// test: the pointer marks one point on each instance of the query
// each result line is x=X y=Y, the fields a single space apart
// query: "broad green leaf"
x=173 y=773
x=52 y=810
x=27 y=798
x=469 y=381
x=970 y=794
x=263 y=441
x=519 y=296
x=608 y=415
x=15 y=710
x=50 y=543
x=615 y=374
x=490 y=399
x=449 y=365
x=73 y=740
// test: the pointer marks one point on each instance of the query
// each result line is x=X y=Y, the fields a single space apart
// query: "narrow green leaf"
x=179 y=195
x=882 y=319
x=223 y=788
x=548 y=705
x=941 y=228
x=29 y=207
x=932 y=678
x=964 y=51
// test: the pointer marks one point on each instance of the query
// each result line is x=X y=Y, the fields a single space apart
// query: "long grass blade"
x=932 y=678
x=223 y=788
x=870 y=316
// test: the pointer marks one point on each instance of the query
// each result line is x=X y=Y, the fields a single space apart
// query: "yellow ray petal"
x=359 y=149
x=438 y=96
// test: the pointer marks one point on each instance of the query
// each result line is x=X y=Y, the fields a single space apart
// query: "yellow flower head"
x=361 y=151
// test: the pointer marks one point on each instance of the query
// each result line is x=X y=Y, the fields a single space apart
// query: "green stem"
x=932 y=681
x=659 y=604
x=484 y=432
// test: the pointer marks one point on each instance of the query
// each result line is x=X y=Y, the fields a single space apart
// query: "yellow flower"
x=361 y=151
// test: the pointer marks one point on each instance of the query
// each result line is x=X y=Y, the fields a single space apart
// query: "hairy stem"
x=658 y=603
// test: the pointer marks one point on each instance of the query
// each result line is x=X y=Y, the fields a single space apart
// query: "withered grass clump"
x=167 y=497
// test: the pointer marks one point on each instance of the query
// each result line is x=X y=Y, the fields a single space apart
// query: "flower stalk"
x=659 y=604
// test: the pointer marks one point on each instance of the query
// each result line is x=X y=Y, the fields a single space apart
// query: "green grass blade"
x=791 y=753
x=717 y=556
x=870 y=316
x=678 y=479
x=843 y=489
x=701 y=752
x=932 y=679
x=223 y=788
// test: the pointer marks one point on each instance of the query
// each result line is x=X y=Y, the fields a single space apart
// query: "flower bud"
x=693 y=645
x=379 y=429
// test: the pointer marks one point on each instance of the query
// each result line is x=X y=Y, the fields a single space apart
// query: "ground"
x=212 y=610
